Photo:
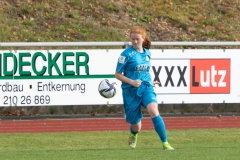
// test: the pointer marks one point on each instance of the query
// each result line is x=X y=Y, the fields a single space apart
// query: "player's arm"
x=121 y=77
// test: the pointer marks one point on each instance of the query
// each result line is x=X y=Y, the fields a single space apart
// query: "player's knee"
x=137 y=127
x=153 y=109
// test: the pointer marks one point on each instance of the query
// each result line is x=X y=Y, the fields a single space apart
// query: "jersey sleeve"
x=122 y=61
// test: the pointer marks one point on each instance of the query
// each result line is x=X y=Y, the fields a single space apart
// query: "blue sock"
x=132 y=131
x=160 y=128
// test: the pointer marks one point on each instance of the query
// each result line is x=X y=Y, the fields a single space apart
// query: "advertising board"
x=71 y=77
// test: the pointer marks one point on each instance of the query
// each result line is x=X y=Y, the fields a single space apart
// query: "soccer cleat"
x=166 y=146
x=132 y=141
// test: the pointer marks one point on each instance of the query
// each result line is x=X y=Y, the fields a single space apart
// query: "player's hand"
x=136 y=83
x=155 y=82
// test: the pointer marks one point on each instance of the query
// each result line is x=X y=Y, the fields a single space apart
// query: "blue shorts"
x=134 y=98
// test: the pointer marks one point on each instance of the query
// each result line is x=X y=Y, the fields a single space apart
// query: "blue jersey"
x=135 y=65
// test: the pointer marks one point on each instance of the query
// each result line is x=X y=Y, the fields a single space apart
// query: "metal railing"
x=124 y=44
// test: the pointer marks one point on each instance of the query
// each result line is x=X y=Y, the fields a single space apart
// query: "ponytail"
x=147 y=43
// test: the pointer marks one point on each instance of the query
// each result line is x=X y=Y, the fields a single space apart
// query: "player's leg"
x=150 y=102
x=157 y=121
x=133 y=113
x=134 y=129
x=134 y=118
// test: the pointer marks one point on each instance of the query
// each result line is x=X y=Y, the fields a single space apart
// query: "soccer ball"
x=107 y=89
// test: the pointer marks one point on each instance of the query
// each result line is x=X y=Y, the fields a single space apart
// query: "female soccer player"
x=137 y=87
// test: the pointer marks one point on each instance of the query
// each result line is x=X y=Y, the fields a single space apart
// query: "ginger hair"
x=141 y=31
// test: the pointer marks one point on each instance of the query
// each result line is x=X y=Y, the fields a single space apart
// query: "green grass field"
x=189 y=144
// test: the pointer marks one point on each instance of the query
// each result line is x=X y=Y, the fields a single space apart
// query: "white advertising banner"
x=71 y=77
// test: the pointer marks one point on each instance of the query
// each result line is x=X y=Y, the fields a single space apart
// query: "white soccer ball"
x=107 y=89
